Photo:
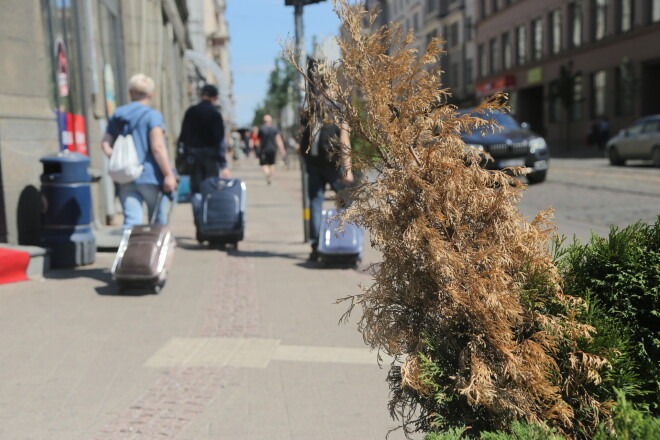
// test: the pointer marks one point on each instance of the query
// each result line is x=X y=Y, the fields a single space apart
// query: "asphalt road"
x=590 y=195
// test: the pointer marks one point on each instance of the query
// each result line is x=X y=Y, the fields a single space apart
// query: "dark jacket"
x=203 y=127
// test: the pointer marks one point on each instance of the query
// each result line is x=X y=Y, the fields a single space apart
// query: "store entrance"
x=650 y=87
x=530 y=108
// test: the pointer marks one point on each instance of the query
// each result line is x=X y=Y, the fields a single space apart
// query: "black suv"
x=515 y=145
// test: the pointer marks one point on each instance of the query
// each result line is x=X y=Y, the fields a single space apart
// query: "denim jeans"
x=318 y=176
x=133 y=194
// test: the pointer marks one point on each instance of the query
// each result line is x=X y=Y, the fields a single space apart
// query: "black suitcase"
x=221 y=216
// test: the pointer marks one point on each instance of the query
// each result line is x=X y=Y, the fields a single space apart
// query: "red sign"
x=505 y=82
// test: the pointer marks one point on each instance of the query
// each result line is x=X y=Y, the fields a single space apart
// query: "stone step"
x=39 y=260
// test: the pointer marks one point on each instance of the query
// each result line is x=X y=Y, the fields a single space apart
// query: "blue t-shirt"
x=123 y=120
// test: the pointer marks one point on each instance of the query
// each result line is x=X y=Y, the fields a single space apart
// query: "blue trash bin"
x=67 y=210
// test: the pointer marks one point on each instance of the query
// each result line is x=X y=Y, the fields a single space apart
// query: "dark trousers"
x=206 y=165
x=318 y=176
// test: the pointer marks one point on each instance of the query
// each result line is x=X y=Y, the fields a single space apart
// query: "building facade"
x=569 y=63
x=450 y=20
x=65 y=68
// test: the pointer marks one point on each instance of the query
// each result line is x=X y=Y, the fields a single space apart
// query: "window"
x=625 y=15
x=598 y=83
x=430 y=5
x=575 y=11
x=430 y=36
x=454 y=77
x=453 y=35
x=555 y=103
x=507 y=55
x=537 y=39
x=416 y=21
x=655 y=11
x=482 y=9
x=555 y=31
x=624 y=103
x=521 y=45
x=468 y=29
x=652 y=126
x=576 y=111
x=495 y=6
x=494 y=67
x=467 y=73
x=483 y=65
x=600 y=19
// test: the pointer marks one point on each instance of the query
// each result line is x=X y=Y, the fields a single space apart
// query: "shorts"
x=267 y=157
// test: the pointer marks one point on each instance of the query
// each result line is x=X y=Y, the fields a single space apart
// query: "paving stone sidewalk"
x=240 y=344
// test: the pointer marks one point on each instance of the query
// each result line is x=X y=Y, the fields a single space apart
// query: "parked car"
x=514 y=145
x=639 y=141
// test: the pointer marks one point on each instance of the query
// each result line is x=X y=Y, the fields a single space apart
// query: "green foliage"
x=630 y=423
x=281 y=92
x=619 y=277
x=519 y=431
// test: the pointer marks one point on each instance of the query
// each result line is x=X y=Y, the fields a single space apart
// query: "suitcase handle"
x=159 y=199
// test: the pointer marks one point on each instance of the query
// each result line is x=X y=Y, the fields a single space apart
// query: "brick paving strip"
x=183 y=393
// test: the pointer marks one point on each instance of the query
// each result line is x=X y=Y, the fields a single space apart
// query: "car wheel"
x=656 y=157
x=536 y=177
x=615 y=158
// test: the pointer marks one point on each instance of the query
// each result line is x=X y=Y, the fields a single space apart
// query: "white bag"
x=124 y=165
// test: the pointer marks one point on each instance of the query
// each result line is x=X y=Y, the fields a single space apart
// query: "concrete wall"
x=28 y=129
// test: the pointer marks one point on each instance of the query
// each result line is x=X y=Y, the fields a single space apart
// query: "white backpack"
x=124 y=165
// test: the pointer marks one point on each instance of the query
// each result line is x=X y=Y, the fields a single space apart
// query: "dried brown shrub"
x=453 y=290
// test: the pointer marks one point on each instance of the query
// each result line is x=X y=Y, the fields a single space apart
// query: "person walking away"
x=270 y=140
x=202 y=133
x=146 y=127
x=318 y=146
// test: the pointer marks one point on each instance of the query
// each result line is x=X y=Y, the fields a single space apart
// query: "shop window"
x=625 y=89
x=555 y=103
x=575 y=12
x=60 y=18
x=578 y=98
x=598 y=93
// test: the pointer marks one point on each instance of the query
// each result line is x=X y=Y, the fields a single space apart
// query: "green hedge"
x=619 y=277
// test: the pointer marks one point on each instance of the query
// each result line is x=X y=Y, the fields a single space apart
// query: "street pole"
x=298 y=16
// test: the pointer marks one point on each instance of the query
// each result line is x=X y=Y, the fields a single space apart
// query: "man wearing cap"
x=202 y=134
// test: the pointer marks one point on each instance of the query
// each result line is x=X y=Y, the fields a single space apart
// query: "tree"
x=466 y=299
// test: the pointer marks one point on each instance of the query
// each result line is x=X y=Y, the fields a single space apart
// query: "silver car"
x=639 y=141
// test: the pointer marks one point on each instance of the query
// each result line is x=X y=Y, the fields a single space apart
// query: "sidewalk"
x=240 y=344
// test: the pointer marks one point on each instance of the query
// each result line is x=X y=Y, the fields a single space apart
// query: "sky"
x=255 y=26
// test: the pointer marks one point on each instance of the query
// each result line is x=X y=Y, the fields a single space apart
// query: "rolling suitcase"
x=145 y=255
x=221 y=217
x=338 y=248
